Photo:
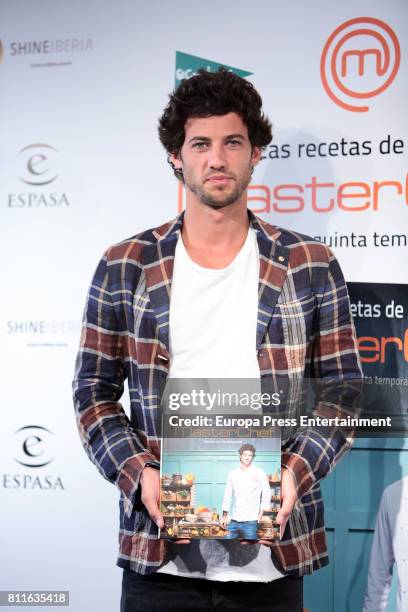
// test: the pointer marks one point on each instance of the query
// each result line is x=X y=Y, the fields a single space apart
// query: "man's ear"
x=175 y=160
x=256 y=156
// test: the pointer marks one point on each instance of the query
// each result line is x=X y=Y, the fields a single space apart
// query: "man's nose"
x=217 y=158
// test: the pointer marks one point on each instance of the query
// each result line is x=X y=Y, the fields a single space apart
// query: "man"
x=217 y=292
x=390 y=546
x=248 y=486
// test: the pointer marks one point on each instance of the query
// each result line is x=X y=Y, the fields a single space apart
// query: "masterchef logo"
x=322 y=196
x=359 y=61
x=376 y=349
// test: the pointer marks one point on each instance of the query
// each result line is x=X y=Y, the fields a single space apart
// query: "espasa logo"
x=359 y=61
x=33 y=446
x=34 y=449
x=38 y=169
x=38 y=161
x=188 y=65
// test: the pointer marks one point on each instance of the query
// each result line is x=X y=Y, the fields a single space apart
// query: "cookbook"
x=220 y=478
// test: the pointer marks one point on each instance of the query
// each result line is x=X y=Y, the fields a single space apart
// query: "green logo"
x=187 y=66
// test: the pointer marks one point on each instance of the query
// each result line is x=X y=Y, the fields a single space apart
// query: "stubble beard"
x=221 y=201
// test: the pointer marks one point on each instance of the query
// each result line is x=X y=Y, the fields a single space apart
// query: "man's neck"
x=213 y=237
x=245 y=467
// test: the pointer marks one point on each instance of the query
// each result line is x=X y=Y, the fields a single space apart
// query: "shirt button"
x=280 y=258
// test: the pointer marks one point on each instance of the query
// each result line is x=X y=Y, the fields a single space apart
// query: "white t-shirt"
x=213 y=315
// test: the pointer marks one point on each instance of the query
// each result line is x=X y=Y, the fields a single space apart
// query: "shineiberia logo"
x=188 y=65
x=46 y=52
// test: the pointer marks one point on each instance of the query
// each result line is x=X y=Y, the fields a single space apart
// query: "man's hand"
x=289 y=498
x=150 y=494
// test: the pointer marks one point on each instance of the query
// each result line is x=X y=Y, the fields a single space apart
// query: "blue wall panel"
x=352 y=494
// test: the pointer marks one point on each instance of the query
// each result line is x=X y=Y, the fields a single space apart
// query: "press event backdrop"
x=82 y=87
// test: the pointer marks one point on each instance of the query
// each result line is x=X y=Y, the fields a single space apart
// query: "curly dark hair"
x=207 y=94
x=247 y=447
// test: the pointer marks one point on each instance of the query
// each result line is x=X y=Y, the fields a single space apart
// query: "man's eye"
x=199 y=145
x=234 y=142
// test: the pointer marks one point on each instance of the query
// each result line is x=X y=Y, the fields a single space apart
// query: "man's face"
x=246 y=458
x=217 y=159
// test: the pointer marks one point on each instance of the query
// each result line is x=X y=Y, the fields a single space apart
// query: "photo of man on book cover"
x=248 y=493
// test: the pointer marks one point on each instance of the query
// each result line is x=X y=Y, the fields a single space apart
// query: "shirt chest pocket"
x=290 y=331
x=301 y=309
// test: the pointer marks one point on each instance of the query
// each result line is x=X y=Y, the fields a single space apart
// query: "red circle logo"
x=360 y=60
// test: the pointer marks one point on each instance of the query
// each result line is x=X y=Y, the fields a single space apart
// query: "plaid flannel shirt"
x=304 y=329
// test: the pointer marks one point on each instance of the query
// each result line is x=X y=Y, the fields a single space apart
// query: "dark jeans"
x=242 y=529
x=165 y=593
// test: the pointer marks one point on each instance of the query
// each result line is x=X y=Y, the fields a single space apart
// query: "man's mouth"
x=218 y=178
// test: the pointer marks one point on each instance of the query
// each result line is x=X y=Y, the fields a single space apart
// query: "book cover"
x=220 y=478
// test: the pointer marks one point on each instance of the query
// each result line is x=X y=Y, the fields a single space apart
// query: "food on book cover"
x=224 y=487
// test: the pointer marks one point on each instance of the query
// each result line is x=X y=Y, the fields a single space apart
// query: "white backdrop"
x=81 y=167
